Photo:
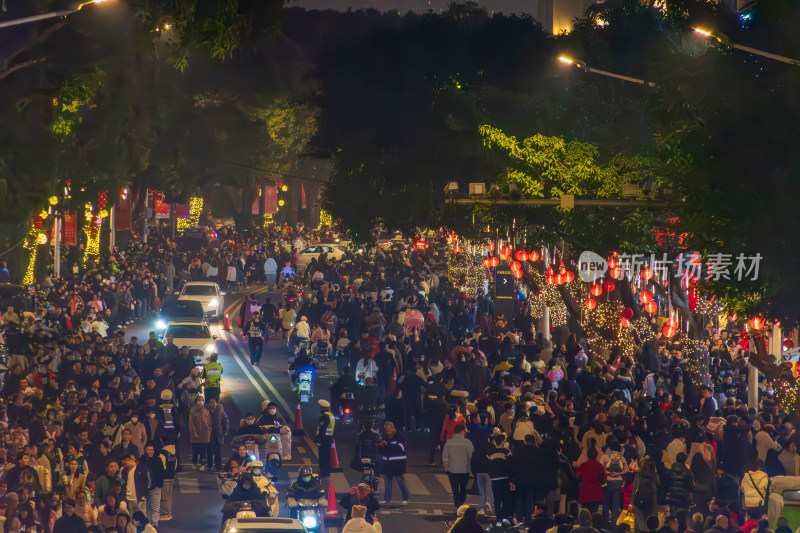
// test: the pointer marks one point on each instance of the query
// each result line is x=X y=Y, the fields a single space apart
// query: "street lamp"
x=586 y=68
x=722 y=39
x=53 y=14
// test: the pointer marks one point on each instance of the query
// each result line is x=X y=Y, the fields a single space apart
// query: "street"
x=197 y=502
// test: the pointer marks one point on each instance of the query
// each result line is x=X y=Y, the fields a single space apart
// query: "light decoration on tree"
x=325 y=218
x=53 y=200
x=605 y=329
x=550 y=297
x=195 y=209
x=30 y=243
x=91 y=226
x=644 y=329
x=465 y=270
x=709 y=307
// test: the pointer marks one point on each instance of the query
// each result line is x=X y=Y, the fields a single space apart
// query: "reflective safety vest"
x=213 y=372
x=169 y=423
x=331 y=423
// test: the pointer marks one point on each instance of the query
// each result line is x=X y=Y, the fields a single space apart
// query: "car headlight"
x=211 y=347
x=310 y=521
x=161 y=324
x=213 y=302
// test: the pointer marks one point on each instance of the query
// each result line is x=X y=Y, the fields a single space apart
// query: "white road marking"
x=340 y=483
x=415 y=485
x=301 y=450
x=188 y=484
x=444 y=481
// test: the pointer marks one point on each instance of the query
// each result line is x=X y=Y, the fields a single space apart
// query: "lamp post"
x=45 y=16
x=722 y=39
x=586 y=68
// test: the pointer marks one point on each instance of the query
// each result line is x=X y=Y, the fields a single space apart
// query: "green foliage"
x=77 y=91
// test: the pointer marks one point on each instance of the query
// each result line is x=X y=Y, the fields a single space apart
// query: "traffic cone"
x=334 y=457
x=298 y=421
x=332 y=513
x=227 y=325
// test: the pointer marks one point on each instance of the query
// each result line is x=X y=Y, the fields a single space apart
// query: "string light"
x=325 y=218
x=465 y=269
x=53 y=200
x=195 y=209
x=31 y=240
x=91 y=227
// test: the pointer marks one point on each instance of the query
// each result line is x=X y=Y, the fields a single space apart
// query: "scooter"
x=274 y=454
x=320 y=354
x=303 y=383
x=244 y=509
x=307 y=512
x=348 y=409
x=368 y=474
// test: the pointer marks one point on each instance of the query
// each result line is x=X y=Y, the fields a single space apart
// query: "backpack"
x=615 y=463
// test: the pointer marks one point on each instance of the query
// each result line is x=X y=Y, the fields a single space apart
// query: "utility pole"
x=57 y=244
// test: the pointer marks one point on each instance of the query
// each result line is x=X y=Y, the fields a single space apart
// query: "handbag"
x=625 y=517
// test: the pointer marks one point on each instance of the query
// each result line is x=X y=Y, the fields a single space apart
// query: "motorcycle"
x=274 y=453
x=307 y=512
x=320 y=354
x=348 y=410
x=303 y=382
x=368 y=475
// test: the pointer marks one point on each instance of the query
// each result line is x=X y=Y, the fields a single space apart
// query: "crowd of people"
x=554 y=436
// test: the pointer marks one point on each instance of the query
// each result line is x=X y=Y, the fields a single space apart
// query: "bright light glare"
x=310 y=521
x=566 y=60
x=90 y=2
x=703 y=32
x=213 y=302
x=211 y=348
x=161 y=324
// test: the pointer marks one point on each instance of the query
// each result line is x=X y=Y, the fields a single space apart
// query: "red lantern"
x=495 y=261
x=560 y=280
x=645 y=297
x=517 y=273
x=609 y=286
x=596 y=290
x=490 y=247
x=456 y=249
x=615 y=273
x=613 y=263
x=550 y=280
x=590 y=303
x=487 y=263
x=756 y=322
x=627 y=313
x=533 y=256
x=647 y=273
x=515 y=265
x=668 y=331
x=521 y=255
x=505 y=250
x=569 y=277
x=624 y=322
x=550 y=271
x=651 y=306
x=673 y=323
x=733 y=317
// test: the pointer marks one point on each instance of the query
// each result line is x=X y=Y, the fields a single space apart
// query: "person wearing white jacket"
x=358 y=523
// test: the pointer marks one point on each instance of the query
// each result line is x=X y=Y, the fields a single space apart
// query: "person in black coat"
x=680 y=485
x=393 y=457
x=69 y=521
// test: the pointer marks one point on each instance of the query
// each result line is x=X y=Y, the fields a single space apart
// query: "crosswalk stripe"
x=444 y=481
x=189 y=484
x=301 y=450
x=415 y=485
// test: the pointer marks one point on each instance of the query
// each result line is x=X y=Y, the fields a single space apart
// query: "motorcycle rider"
x=346 y=383
x=249 y=426
x=306 y=487
x=269 y=417
x=247 y=490
x=256 y=469
x=366 y=446
x=325 y=437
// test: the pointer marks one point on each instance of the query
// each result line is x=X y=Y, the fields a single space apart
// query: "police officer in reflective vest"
x=212 y=373
x=325 y=437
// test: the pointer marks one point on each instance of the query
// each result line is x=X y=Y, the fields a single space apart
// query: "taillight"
x=347 y=410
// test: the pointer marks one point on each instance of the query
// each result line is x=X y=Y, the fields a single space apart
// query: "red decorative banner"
x=69 y=229
x=302 y=196
x=122 y=212
x=182 y=211
x=161 y=209
x=37 y=222
x=270 y=196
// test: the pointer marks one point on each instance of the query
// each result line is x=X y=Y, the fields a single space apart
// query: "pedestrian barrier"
x=298 y=421
x=334 y=457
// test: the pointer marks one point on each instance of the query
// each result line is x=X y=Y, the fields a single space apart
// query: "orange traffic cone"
x=298 y=421
x=227 y=325
x=333 y=508
x=334 y=457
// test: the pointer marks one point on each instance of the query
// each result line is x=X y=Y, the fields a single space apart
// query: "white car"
x=196 y=335
x=331 y=251
x=263 y=525
x=208 y=294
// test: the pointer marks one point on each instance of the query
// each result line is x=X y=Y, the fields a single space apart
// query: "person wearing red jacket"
x=453 y=419
x=592 y=476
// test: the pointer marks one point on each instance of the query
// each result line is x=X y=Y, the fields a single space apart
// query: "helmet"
x=306 y=471
x=256 y=467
